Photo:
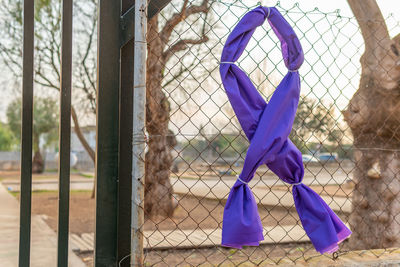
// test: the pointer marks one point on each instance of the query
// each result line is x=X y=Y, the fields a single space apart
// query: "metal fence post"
x=65 y=134
x=108 y=73
x=139 y=100
x=26 y=135
x=125 y=140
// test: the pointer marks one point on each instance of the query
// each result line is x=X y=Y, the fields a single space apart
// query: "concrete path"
x=199 y=238
x=49 y=184
x=273 y=180
x=43 y=239
x=212 y=237
x=324 y=174
x=215 y=189
x=207 y=188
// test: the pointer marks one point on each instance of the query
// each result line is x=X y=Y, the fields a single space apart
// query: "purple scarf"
x=268 y=127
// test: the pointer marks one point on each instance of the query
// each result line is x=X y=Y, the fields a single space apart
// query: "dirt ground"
x=81 y=210
x=191 y=213
x=264 y=255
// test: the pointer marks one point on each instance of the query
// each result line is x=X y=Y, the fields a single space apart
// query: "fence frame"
x=26 y=134
x=115 y=71
x=118 y=233
x=119 y=166
x=65 y=134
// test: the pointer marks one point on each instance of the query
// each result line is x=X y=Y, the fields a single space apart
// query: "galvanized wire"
x=211 y=147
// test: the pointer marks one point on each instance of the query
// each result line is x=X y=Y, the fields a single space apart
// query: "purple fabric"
x=268 y=127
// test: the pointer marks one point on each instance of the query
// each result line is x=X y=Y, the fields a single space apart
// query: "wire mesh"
x=196 y=148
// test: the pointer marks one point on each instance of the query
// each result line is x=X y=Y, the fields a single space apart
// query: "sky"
x=387 y=6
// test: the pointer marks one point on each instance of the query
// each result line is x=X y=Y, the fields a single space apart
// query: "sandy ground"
x=191 y=213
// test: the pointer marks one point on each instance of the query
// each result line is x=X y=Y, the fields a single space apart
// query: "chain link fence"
x=196 y=148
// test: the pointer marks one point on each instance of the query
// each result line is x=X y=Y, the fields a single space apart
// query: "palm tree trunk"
x=373 y=116
x=158 y=189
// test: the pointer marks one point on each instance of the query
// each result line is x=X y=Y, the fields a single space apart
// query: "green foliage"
x=229 y=144
x=45 y=120
x=314 y=121
x=7 y=139
x=232 y=251
x=315 y=124
x=86 y=175
x=219 y=145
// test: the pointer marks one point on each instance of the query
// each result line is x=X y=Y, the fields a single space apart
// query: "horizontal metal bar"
x=26 y=135
x=127 y=26
x=65 y=134
x=127 y=21
x=156 y=6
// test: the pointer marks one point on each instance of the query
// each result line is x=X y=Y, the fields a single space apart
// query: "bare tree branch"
x=48 y=83
x=181 y=71
x=177 y=18
x=182 y=45
x=85 y=72
x=9 y=59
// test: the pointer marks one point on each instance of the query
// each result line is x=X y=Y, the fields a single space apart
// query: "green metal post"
x=65 y=134
x=125 y=145
x=26 y=133
x=108 y=76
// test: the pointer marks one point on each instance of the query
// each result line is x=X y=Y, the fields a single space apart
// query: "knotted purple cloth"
x=268 y=127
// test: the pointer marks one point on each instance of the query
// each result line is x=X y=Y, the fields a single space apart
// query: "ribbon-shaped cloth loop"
x=267 y=127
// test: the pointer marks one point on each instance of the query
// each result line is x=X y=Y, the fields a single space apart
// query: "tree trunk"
x=373 y=115
x=375 y=217
x=85 y=144
x=158 y=189
x=80 y=135
x=37 y=162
